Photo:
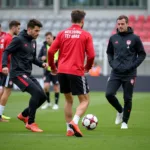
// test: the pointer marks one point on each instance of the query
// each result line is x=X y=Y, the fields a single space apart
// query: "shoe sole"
x=77 y=134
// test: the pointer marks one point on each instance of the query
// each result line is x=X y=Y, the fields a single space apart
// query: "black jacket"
x=23 y=54
x=125 y=53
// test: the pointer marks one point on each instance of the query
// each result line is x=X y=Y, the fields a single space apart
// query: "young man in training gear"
x=74 y=45
x=48 y=77
x=7 y=84
x=23 y=55
x=125 y=53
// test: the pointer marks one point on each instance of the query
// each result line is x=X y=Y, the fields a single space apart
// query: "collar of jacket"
x=26 y=35
x=75 y=26
x=129 y=31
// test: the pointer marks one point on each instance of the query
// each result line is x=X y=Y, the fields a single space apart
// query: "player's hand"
x=5 y=70
x=86 y=70
x=45 y=65
x=54 y=72
x=43 y=58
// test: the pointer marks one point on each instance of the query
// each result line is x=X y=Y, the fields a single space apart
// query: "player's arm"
x=36 y=61
x=90 y=53
x=41 y=55
x=110 y=52
x=12 y=47
x=51 y=52
x=141 y=53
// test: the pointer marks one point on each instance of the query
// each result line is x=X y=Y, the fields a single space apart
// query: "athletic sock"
x=48 y=96
x=68 y=128
x=1 y=110
x=56 y=98
x=76 y=119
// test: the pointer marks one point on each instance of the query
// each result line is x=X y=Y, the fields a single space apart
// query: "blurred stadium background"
x=100 y=22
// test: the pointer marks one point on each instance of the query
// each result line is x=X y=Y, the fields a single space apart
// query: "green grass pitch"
x=107 y=135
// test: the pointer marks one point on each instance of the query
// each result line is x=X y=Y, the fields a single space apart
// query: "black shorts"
x=5 y=81
x=48 y=77
x=77 y=85
x=23 y=81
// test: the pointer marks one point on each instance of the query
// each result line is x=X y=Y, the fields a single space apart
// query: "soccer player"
x=2 y=35
x=14 y=29
x=125 y=53
x=23 y=55
x=48 y=77
x=74 y=45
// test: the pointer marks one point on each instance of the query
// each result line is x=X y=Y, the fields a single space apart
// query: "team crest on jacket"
x=25 y=76
x=128 y=43
x=116 y=42
x=132 y=81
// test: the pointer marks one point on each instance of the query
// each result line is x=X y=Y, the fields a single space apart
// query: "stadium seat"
x=146 y=26
x=148 y=19
x=131 y=24
x=138 y=26
x=143 y=36
x=141 y=18
x=132 y=18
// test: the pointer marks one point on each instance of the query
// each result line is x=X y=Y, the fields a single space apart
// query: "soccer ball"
x=90 y=121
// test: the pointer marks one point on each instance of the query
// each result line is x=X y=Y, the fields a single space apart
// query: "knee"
x=109 y=95
x=43 y=95
x=39 y=94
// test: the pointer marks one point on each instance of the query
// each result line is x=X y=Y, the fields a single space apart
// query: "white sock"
x=1 y=109
x=76 y=119
x=68 y=128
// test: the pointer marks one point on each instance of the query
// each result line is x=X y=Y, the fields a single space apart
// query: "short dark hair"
x=33 y=22
x=77 y=16
x=123 y=17
x=13 y=23
x=48 y=33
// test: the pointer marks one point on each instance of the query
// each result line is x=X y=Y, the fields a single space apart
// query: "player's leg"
x=26 y=84
x=128 y=87
x=79 y=86
x=65 y=88
x=111 y=89
x=56 y=90
x=6 y=93
x=46 y=90
x=2 y=80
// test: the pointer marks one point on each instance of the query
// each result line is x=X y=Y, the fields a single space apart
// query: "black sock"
x=48 y=96
x=56 y=98
x=127 y=110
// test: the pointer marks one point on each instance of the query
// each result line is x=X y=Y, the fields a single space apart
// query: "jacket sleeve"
x=41 y=53
x=52 y=50
x=90 y=53
x=110 y=52
x=35 y=60
x=12 y=47
x=140 y=53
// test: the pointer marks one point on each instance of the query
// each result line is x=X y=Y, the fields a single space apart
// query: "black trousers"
x=38 y=97
x=113 y=85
